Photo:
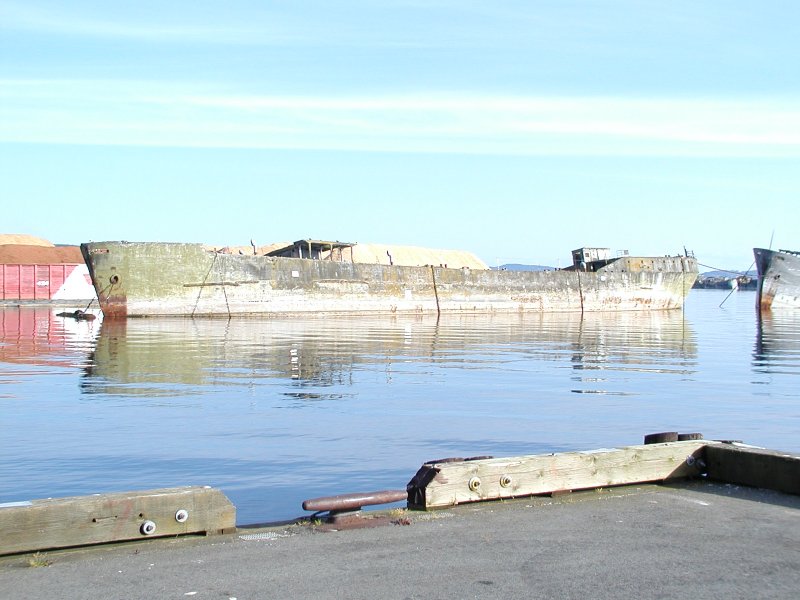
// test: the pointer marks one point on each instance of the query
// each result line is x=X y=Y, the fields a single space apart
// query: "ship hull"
x=135 y=279
x=778 y=279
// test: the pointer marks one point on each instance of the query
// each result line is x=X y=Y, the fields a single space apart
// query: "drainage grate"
x=263 y=536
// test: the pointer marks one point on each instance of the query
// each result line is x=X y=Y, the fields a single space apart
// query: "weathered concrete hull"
x=149 y=279
x=778 y=279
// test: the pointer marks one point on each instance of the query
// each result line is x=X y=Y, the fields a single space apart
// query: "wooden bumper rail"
x=741 y=464
x=453 y=482
x=438 y=485
x=83 y=520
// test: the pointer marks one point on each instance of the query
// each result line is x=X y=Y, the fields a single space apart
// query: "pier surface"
x=683 y=540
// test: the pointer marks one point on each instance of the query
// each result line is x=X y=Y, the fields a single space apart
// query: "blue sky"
x=517 y=130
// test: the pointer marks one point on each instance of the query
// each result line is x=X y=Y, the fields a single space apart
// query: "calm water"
x=275 y=411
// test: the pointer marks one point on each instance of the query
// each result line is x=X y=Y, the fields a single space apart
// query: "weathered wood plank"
x=756 y=467
x=83 y=520
x=447 y=484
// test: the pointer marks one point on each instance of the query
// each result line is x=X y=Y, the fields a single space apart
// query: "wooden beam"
x=756 y=467
x=83 y=520
x=438 y=485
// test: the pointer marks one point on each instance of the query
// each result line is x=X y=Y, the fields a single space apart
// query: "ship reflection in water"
x=321 y=358
x=777 y=347
x=37 y=336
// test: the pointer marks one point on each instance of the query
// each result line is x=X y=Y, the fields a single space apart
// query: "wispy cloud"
x=324 y=25
x=143 y=113
x=141 y=25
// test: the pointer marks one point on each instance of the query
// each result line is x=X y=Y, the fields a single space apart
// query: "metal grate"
x=269 y=535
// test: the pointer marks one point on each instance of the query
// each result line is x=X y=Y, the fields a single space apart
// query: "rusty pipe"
x=354 y=501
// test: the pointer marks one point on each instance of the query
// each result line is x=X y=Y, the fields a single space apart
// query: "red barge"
x=33 y=270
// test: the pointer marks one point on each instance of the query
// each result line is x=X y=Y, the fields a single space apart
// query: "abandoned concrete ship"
x=138 y=279
x=778 y=278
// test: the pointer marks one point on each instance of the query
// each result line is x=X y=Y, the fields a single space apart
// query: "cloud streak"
x=157 y=114
x=288 y=26
x=160 y=27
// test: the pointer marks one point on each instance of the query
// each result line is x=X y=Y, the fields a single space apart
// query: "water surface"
x=276 y=410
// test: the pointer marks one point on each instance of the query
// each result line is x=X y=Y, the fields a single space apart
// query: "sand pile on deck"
x=247 y=250
x=22 y=249
x=384 y=254
x=23 y=239
x=414 y=256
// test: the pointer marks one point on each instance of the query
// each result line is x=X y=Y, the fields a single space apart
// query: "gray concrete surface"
x=693 y=540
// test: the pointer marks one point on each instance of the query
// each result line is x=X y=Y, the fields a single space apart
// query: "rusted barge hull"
x=778 y=278
x=135 y=279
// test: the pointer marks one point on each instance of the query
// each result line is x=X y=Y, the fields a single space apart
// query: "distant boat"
x=778 y=278
x=134 y=279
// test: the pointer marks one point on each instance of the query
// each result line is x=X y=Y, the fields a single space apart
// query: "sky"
x=519 y=130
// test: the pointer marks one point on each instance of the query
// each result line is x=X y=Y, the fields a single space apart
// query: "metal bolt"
x=505 y=481
x=182 y=515
x=474 y=484
x=697 y=463
x=148 y=528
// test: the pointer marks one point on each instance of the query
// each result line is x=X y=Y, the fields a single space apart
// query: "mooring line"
x=435 y=291
x=224 y=291
x=202 y=285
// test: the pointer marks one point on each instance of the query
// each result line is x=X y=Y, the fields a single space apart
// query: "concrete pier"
x=696 y=539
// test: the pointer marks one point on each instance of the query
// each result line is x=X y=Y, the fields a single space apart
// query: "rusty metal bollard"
x=344 y=510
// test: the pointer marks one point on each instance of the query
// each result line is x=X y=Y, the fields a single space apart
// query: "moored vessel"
x=35 y=271
x=309 y=276
x=778 y=278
